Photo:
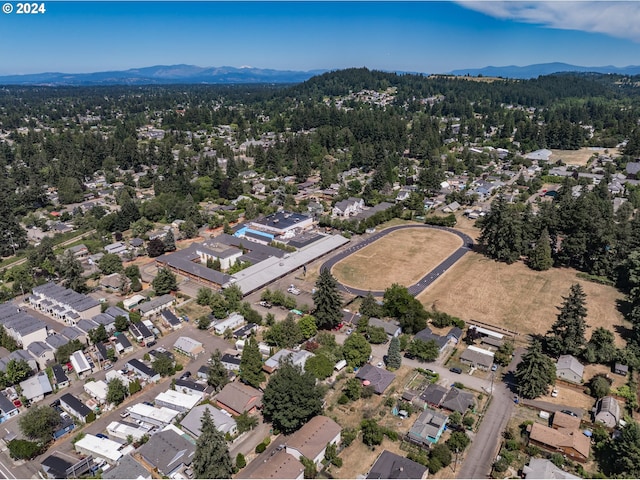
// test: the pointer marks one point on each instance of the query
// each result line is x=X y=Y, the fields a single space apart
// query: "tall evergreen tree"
x=567 y=334
x=501 y=232
x=394 y=359
x=211 y=458
x=217 y=376
x=327 y=300
x=291 y=398
x=164 y=282
x=251 y=364
x=535 y=372
x=369 y=306
x=540 y=257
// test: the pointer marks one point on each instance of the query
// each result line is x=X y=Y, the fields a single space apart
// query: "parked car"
x=455 y=370
x=102 y=435
x=494 y=367
x=148 y=403
x=293 y=290
x=265 y=304
x=124 y=414
x=554 y=392
x=151 y=343
x=185 y=375
x=569 y=412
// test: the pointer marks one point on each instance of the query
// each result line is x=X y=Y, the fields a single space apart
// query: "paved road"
x=486 y=444
x=424 y=282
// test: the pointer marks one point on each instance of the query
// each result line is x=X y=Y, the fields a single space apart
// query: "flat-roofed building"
x=80 y=363
x=35 y=388
x=175 y=400
x=156 y=305
x=159 y=417
x=97 y=390
x=124 y=430
x=63 y=303
x=101 y=447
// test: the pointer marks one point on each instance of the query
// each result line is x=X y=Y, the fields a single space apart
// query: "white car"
x=554 y=393
x=293 y=290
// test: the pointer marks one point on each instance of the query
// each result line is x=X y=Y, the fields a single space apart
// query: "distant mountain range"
x=533 y=71
x=164 y=74
x=191 y=74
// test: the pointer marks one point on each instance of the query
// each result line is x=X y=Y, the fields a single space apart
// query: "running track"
x=424 y=282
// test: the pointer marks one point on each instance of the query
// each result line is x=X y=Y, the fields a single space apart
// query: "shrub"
x=24 y=449
x=241 y=462
x=261 y=447
x=348 y=436
x=343 y=399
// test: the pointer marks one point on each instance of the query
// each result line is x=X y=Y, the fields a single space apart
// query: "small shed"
x=621 y=369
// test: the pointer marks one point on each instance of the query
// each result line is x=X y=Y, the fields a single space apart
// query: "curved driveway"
x=424 y=282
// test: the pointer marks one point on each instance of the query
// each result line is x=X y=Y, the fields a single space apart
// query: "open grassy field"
x=516 y=297
x=401 y=257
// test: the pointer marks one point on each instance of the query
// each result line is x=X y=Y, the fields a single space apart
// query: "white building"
x=179 y=401
x=155 y=416
x=122 y=431
x=80 y=363
x=234 y=320
x=102 y=448
x=97 y=390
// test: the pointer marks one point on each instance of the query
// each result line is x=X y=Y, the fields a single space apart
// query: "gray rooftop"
x=75 y=300
x=156 y=302
x=391 y=465
x=127 y=468
x=193 y=421
x=167 y=450
x=265 y=272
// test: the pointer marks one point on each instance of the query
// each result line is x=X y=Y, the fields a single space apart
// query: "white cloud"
x=617 y=19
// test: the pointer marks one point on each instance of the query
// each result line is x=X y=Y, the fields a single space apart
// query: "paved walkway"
x=424 y=282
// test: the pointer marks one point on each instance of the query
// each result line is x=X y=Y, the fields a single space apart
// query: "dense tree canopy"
x=291 y=398
x=211 y=458
x=327 y=300
x=535 y=373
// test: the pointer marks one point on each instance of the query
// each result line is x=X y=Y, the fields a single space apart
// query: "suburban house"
x=122 y=344
x=127 y=467
x=572 y=443
x=230 y=362
x=133 y=301
x=140 y=369
x=392 y=329
x=434 y=394
x=74 y=333
x=113 y=281
x=427 y=334
x=192 y=388
x=477 y=357
x=543 y=468
x=79 y=251
x=178 y=401
x=188 y=346
x=35 y=388
x=42 y=353
x=160 y=417
x=281 y=465
x=80 y=363
x=60 y=377
x=124 y=430
x=63 y=303
x=237 y=398
x=234 y=320
x=170 y=319
x=101 y=447
x=85 y=326
x=56 y=467
x=378 y=378
x=168 y=452
x=428 y=428
x=348 y=208
x=312 y=439
x=7 y=408
x=568 y=368
x=458 y=400
x=19 y=355
x=392 y=465
x=224 y=422
x=297 y=358
x=75 y=407
x=141 y=333
x=608 y=411
x=156 y=305
x=245 y=331
x=105 y=319
x=55 y=341
x=97 y=390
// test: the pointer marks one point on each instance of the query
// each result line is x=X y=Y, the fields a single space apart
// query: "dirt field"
x=401 y=257
x=516 y=297
x=580 y=157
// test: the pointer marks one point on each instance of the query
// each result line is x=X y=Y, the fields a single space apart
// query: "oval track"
x=424 y=282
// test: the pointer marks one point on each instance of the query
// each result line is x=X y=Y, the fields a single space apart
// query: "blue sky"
x=429 y=37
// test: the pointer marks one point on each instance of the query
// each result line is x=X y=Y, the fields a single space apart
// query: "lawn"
x=578 y=157
x=401 y=257
x=517 y=298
